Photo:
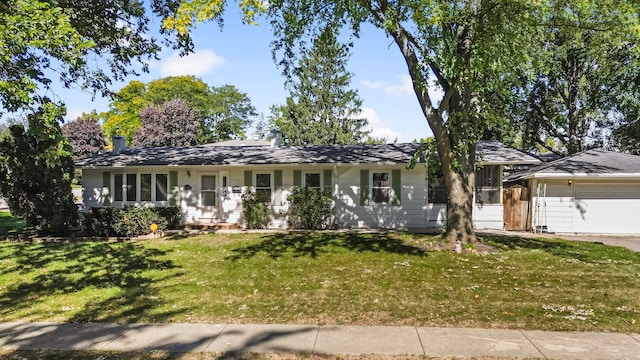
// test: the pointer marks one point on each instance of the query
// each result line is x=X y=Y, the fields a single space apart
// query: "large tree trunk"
x=459 y=209
x=458 y=165
x=460 y=184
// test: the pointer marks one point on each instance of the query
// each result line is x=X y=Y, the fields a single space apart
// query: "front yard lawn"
x=323 y=278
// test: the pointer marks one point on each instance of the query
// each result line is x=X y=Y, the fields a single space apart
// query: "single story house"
x=595 y=191
x=370 y=184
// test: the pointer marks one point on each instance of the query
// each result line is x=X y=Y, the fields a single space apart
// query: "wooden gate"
x=517 y=208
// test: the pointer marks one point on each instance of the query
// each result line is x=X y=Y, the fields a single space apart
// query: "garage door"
x=607 y=208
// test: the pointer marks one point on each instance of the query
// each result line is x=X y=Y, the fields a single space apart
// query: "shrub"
x=257 y=214
x=135 y=221
x=131 y=221
x=310 y=209
x=171 y=214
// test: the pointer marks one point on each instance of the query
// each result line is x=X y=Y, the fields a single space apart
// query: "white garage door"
x=607 y=208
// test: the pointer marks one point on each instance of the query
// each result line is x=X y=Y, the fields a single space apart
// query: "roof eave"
x=583 y=175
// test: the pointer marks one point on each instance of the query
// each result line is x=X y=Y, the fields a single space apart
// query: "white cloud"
x=377 y=128
x=72 y=114
x=401 y=88
x=435 y=91
x=199 y=63
x=373 y=84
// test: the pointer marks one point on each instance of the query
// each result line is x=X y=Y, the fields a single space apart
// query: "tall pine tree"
x=321 y=109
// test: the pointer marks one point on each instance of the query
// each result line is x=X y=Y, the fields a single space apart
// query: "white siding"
x=606 y=207
x=436 y=215
x=552 y=202
x=488 y=216
x=411 y=214
x=92 y=188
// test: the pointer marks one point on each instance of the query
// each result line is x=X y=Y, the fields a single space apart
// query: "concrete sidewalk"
x=310 y=339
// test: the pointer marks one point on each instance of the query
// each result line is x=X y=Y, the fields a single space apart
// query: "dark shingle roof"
x=595 y=162
x=492 y=152
x=495 y=152
x=256 y=155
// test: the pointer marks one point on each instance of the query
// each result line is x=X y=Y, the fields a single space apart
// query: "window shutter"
x=328 y=181
x=173 y=185
x=248 y=180
x=277 y=187
x=396 y=185
x=297 y=178
x=106 y=188
x=364 y=187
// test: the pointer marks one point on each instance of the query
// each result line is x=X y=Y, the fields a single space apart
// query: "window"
x=380 y=187
x=117 y=187
x=132 y=180
x=145 y=187
x=208 y=190
x=263 y=187
x=140 y=187
x=161 y=187
x=437 y=190
x=488 y=184
x=312 y=180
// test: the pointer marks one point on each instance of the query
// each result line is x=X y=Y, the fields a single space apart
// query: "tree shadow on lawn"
x=11 y=226
x=117 y=270
x=314 y=244
x=584 y=251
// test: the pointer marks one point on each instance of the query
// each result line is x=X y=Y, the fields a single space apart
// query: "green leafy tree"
x=626 y=116
x=172 y=123
x=85 y=135
x=41 y=39
x=36 y=172
x=473 y=50
x=223 y=112
x=575 y=91
x=321 y=109
x=123 y=118
x=231 y=115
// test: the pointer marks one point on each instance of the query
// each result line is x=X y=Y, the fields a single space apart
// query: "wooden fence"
x=517 y=208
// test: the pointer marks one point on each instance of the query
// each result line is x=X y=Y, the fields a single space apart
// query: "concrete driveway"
x=631 y=242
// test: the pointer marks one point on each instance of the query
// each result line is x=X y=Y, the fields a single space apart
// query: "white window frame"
x=138 y=187
x=214 y=190
x=389 y=187
x=304 y=179
x=151 y=182
x=271 y=187
x=123 y=192
x=154 y=186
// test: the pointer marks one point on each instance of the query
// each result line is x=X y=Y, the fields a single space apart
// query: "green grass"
x=10 y=225
x=324 y=278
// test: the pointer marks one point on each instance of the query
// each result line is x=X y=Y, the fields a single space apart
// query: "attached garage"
x=606 y=208
x=595 y=191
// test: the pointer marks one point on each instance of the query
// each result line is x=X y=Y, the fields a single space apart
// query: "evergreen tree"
x=321 y=109
x=36 y=170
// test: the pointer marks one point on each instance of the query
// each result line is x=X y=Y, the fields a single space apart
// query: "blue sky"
x=240 y=55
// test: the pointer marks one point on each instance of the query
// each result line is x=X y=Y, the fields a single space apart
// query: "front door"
x=208 y=198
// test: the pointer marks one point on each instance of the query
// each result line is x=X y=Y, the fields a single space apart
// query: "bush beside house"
x=131 y=221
